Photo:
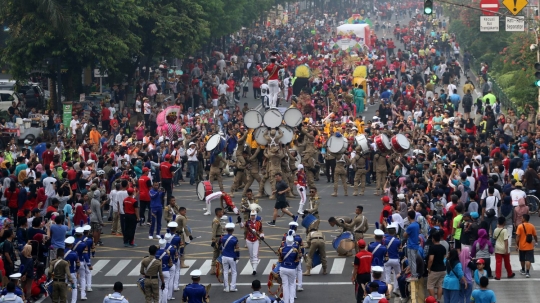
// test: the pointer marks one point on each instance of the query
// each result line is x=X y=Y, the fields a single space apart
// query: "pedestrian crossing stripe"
x=132 y=267
x=109 y=268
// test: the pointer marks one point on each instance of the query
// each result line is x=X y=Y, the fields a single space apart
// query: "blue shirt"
x=378 y=254
x=172 y=252
x=40 y=149
x=413 y=231
x=393 y=250
x=483 y=296
x=115 y=298
x=452 y=278
x=89 y=243
x=72 y=258
x=258 y=297
x=18 y=292
x=20 y=167
x=58 y=235
x=228 y=250
x=176 y=241
x=194 y=293
x=383 y=287
x=163 y=255
x=155 y=198
x=290 y=261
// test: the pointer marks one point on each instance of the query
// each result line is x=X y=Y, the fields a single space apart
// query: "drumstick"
x=251 y=231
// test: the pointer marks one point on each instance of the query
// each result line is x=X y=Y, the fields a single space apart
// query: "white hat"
x=377 y=269
x=196 y=273
x=375 y=118
x=401 y=196
x=27 y=142
x=100 y=172
x=16 y=276
x=224 y=218
x=79 y=230
x=167 y=236
x=354 y=128
x=90 y=162
x=172 y=224
x=393 y=225
x=379 y=232
x=87 y=227
x=69 y=240
x=229 y=226
x=162 y=243
x=192 y=143
x=253 y=213
x=292 y=223
x=289 y=240
x=300 y=166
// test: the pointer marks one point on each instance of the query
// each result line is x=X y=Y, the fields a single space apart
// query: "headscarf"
x=22 y=176
x=79 y=215
x=67 y=210
x=464 y=258
x=39 y=168
x=3 y=164
x=38 y=238
x=483 y=239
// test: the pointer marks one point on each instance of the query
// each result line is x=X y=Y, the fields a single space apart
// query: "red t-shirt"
x=47 y=157
x=105 y=114
x=51 y=209
x=388 y=208
x=165 y=168
x=129 y=205
x=12 y=198
x=71 y=174
x=363 y=261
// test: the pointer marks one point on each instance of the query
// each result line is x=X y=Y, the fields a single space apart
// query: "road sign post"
x=515 y=6
x=489 y=24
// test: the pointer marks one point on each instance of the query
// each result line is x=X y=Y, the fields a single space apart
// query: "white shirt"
x=451 y=88
x=138 y=106
x=495 y=194
x=519 y=172
x=112 y=202
x=353 y=154
x=147 y=108
x=73 y=125
x=112 y=109
x=49 y=186
x=265 y=89
x=120 y=196
x=189 y=152
x=472 y=182
x=516 y=194
x=491 y=203
x=222 y=89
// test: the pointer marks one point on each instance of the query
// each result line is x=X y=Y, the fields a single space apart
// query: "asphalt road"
x=114 y=263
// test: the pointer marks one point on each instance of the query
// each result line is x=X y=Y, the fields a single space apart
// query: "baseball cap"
x=145 y=169
x=385 y=199
x=167 y=157
x=430 y=299
x=361 y=243
x=130 y=191
x=480 y=261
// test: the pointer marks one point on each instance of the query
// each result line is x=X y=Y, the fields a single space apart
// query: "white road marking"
x=189 y=263
x=136 y=271
x=337 y=266
x=248 y=269
x=118 y=268
x=99 y=266
x=268 y=268
x=205 y=268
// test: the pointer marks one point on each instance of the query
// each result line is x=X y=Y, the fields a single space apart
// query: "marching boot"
x=307 y=272
x=301 y=209
x=213 y=270
x=355 y=193
x=362 y=193
x=346 y=194
x=182 y=264
x=334 y=194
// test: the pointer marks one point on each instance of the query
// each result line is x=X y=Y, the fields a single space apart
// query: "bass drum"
x=268 y=188
x=363 y=142
x=337 y=145
x=258 y=135
x=288 y=134
x=400 y=143
x=383 y=144
x=214 y=142
x=272 y=118
x=253 y=119
x=292 y=117
x=204 y=188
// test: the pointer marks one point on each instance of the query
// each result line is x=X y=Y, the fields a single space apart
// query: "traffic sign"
x=490 y=7
x=489 y=23
x=515 y=6
x=515 y=24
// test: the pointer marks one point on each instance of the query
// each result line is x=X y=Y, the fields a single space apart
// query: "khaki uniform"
x=344 y=225
x=151 y=275
x=240 y=177
x=359 y=164
x=341 y=172
x=274 y=166
x=215 y=170
x=252 y=170
x=359 y=226
x=60 y=270
x=315 y=241
x=531 y=118
x=217 y=232
x=294 y=169
x=309 y=166
x=171 y=211
x=184 y=234
x=379 y=166
x=313 y=207
x=287 y=176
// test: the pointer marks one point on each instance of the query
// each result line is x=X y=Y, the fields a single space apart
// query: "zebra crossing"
x=131 y=267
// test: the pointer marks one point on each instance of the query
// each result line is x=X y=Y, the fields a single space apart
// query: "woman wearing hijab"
x=21 y=176
x=483 y=249
x=79 y=215
x=68 y=212
x=454 y=274
x=519 y=211
x=464 y=259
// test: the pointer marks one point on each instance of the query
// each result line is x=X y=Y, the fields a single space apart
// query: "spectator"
x=525 y=233
x=483 y=295
x=454 y=275
x=482 y=249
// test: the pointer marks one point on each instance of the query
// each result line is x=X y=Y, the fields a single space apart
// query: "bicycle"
x=532 y=202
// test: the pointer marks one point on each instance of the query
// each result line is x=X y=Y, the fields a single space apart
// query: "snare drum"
x=288 y=134
x=400 y=143
x=258 y=135
x=343 y=243
x=362 y=141
x=292 y=117
x=253 y=119
x=382 y=143
x=272 y=118
x=215 y=142
x=268 y=187
x=204 y=188
x=337 y=145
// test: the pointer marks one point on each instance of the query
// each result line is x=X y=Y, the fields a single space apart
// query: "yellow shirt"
x=360 y=126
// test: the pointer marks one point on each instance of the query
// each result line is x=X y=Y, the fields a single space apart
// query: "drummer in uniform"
x=59 y=270
x=342 y=162
x=358 y=226
x=313 y=203
x=254 y=231
x=116 y=297
x=183 y=230
x=151 y=270
x=252 y=168
x=309 y=164
x=217 y=232
x=359 y=163
x=380 y=165
x=216 y=167
x=378 y=249
x=315 y=242
x=240 y=177
x=342 y=222
x=195 y=292
x=301 y=187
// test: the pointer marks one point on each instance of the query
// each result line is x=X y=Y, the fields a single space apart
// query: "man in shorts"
x=281 y=198
x=525 y=248
x=436 y=266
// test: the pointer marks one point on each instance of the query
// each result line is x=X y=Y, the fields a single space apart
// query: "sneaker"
x=84 y=298
x=133 y=245
x=172 y=298
x=271 y=223
x=126 y=244
x=527 y=275
x=207 y=213
x=521 y=271
x=148 y=223
x=300 y=213
x=300 y=288
x=512 y=275
x=151 y=237
x=497 y=278
x=89 y=289
x=157 y=237
x=176 y=289
x=225 y=290
x=234 y=290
